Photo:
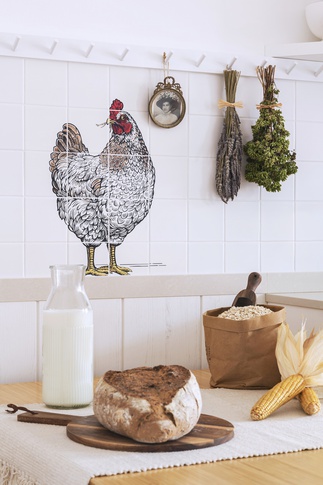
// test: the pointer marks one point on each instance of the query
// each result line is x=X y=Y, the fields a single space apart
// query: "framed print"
x=167 y=106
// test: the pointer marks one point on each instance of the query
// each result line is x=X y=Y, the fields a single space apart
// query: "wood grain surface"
x=209 y=431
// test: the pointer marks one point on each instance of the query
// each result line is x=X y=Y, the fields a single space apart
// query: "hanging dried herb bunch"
x=230 y=148
x=269 y=160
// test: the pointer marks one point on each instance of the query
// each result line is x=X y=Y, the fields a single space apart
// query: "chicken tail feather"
x=68 y=140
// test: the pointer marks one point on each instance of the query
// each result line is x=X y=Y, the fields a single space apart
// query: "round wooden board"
x=209 y=431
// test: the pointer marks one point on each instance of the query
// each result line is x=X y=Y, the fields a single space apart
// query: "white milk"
x=67 y=358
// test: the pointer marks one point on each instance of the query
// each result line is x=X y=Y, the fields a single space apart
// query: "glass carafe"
x=67 y=340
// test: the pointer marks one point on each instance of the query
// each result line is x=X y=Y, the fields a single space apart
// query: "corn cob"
x=309 y=401
x=281 y=393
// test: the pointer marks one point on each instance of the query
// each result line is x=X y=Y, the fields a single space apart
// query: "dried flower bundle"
x=269 y=160
x=230 y=148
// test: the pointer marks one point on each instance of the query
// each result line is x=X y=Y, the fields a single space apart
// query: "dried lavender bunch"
x=269 y=160
x=229 y=155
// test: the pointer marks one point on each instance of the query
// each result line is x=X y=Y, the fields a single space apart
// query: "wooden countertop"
x=302 y=299
x=289 y=468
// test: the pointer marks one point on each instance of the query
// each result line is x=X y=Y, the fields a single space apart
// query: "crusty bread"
x=148 y=404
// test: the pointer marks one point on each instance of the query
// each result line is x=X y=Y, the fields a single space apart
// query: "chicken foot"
x=91 y=268
x=103 y=270
x=113 y=267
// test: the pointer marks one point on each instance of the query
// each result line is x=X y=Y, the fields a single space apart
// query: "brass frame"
x=167 y=89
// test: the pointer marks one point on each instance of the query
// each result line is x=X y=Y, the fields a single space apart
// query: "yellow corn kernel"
x=309 y=401
x=281 y=393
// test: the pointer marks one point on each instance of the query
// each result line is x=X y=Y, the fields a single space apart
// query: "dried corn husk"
x=230 y=148
x=300 y=363
x=300 y=355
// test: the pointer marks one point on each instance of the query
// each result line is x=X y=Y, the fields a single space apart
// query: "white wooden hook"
x=53 y=46
x=16 y=42
x=318 y=72
x=289 y=70
x=201 y=59
x=264 y=63
x=89 y=50
x=229 y=66
x=168 y=56
x=123 y=55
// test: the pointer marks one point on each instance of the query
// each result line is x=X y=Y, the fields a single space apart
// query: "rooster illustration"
x=103 y=197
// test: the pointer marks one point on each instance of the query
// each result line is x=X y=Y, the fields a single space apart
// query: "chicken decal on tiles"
x=103 y=197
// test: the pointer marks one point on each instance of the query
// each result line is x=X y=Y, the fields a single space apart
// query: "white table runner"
x=37 y=454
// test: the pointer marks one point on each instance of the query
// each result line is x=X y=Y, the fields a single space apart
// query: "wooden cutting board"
x=209 y=431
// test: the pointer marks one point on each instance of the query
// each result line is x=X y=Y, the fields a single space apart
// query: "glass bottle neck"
x=68 y=276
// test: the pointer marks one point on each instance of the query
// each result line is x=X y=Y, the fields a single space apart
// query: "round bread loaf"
x=148 y=404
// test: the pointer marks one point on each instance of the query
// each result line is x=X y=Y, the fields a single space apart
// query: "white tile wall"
x=189 y=229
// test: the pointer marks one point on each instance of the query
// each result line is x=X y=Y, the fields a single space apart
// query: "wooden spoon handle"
x=254 y=281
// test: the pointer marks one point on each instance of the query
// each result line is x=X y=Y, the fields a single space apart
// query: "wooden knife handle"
x=44 y=417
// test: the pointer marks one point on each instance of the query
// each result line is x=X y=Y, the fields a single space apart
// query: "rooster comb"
x=115 y=107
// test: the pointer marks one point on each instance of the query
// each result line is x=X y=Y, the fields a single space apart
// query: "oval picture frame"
x=167 y=106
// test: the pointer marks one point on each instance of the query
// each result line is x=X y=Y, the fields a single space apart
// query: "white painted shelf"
x=215 y=62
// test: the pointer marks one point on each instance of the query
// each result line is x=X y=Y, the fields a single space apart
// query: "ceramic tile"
x=88 y=86
x=11 y=122
x=11 y=260
x=37 y=174
x=308 y=217
x=201 y=178
x=140 y=232
x=137 y=97
x=309 y=141
x=204 y=133
x=41 y=126
x=134 y=255
x=171 y=177
x=242 y=221
x=168 y=220
x=308 y=256
x=205 y=220
x=249 y=92
x=77 y=254
x=309 y=181
x=287 y=96
x=94 y=137
x=40 y=256
x=168 y=258
x=277 y=221
x=168 y=141
x=241 y=257
x=309 y=102
x=45 y=82
x=11 y=209
x=11 y=163
x=42 y=223
x=205 y=91
x=11 y=80
x=205 y=258
x=277 y=257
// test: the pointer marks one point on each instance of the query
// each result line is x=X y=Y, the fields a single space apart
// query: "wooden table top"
x=288 y=468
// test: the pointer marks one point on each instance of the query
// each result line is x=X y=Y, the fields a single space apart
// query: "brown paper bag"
x=241 y=354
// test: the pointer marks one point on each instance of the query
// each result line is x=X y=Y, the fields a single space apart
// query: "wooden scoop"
x=248 y=296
